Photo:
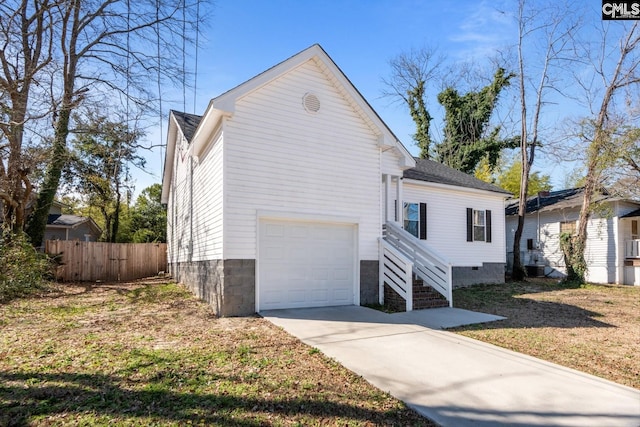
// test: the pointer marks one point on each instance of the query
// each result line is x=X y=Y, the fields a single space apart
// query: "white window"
x=415 y=219
x=479 y=226
x=412 y=218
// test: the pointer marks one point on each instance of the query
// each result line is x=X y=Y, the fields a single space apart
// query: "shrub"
x=22 y=269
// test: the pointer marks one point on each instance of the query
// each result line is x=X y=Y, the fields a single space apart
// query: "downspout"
x=538 y=212
x=190 y=208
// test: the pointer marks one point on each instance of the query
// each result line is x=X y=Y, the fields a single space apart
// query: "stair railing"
x=428 y=265
x=395 y=271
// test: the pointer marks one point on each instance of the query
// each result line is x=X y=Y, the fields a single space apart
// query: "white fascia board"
x=386 y=137
x=407 y=161
x=169 y=159
x=209 y=123
x=494 y=194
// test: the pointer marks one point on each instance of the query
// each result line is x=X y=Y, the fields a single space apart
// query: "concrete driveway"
x=454 y=380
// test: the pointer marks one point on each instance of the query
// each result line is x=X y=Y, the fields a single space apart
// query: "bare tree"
x=602 y=130
x=108 y=45
x=556 y=31
x=26 y=35
x=411 y=74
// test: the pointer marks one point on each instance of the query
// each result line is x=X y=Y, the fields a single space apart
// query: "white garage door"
x=304 y=264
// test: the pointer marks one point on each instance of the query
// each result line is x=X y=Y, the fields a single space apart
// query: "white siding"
x=390 y=163
x=600 y=252
x=447 y=222
x=207 y=203
x=194 y=209
x=280 y=157
x=178 y=213
x=605 y=241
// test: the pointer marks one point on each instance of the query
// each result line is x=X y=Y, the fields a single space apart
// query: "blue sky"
x=245 y=37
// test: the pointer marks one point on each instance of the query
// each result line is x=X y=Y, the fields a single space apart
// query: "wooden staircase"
x=412 y=275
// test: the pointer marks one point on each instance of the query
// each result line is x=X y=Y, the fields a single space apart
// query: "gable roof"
x=71 y=221
x=188 y=123
x=199 y=129
x=431 y=171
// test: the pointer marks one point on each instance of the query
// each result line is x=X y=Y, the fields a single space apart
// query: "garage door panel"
x=342 y=295
x=341 y=274
x=274 y=230
x=306 y=264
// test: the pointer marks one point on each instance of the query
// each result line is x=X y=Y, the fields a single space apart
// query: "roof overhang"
x=496 y=194
x=87 y=220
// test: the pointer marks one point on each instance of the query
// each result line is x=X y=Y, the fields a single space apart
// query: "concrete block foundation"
x=488 y=273
x=228 y=286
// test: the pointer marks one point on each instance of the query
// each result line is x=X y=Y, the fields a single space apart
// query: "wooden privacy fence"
x=91 y=261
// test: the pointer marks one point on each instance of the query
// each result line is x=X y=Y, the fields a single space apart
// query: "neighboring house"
x=66 y=227
x=70 y=227
x=612 y=235
x=278 y=196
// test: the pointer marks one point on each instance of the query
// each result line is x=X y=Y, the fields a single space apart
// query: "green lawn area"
x=592 y=328
x=149 y=353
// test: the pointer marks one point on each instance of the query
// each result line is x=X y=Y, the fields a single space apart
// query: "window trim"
x=471 y=225
x=572 y=225
x=421 y=221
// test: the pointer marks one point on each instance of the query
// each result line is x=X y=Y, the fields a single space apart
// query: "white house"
x=278 y=195
x=612 y=251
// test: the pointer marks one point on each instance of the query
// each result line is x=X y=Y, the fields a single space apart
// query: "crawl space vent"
x=311 y=103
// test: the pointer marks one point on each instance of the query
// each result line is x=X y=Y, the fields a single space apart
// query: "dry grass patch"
x=148 y=353
x=593 y=328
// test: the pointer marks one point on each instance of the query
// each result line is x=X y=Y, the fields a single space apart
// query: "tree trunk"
x=38 y=219
x=116 y=219
x=620 y=79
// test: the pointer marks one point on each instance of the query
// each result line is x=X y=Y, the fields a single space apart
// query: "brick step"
x=423 y=297
x=426 y=296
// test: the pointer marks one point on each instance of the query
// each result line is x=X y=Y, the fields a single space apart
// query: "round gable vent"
x=311 y=103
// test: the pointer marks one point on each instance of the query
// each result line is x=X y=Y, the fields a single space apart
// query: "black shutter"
x=469 y=225
x=423 y=221
x=395 y=212
x=488 y=220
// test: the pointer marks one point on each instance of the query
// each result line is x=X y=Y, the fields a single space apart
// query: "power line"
x=195 y=71
x=159 y=83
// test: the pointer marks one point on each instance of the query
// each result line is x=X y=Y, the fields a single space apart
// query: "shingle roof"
x=188 y=123
x=561 y=199
x=430 y=171
x=632 y=214
x=65 y=220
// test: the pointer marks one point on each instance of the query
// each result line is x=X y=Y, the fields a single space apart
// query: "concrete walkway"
x=454 y=380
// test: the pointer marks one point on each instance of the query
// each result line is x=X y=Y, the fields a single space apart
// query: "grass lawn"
x=144 y=353
x=594 y=328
